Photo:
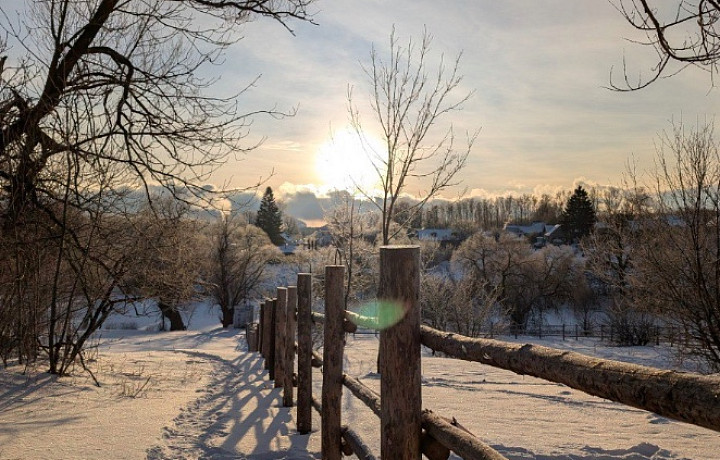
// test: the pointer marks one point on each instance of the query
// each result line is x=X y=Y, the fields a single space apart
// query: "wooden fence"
x=652 y=333
x=407 y=430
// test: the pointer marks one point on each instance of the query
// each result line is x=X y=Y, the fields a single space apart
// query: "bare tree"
x=456 y=304
x=240 y=254
x=407 y=104
x=61 y=272
x=170 y=260
x=351 y=228
x=524 y=282
x=613 y=253
x=680 y=31
x=97 y=98
x=116 y=83
x=680 y=261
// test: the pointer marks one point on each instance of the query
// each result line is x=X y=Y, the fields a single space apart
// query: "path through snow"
x=200 y=395
x=238 y=412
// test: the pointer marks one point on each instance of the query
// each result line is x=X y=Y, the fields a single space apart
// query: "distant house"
x=557 y=235
x=321 y=237
x=534 y=229
x=444 y=236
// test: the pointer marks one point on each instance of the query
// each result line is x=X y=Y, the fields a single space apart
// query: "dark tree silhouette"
x=579 y=214
x=269 y=218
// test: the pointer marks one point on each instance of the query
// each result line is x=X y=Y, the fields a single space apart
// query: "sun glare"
x=344 y=162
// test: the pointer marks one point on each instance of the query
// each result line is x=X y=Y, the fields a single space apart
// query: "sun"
x=345 y=161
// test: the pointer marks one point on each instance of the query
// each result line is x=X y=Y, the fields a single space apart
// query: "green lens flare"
x=379 y=314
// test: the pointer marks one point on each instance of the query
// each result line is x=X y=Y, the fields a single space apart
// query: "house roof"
x=436 y=234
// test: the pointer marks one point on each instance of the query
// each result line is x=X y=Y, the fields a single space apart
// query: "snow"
x=200 y=394
x=528 y=418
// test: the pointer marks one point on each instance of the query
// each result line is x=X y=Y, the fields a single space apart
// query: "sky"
x=540 y=72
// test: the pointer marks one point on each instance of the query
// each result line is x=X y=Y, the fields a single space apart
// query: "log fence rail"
x=408 y=431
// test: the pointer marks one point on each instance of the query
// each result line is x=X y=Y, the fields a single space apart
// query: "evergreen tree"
x=269 y=218
x=579 y=215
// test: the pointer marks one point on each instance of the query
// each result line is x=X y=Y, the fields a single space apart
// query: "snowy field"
x=200 y=394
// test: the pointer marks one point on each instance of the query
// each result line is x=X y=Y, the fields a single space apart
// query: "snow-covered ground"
x=200 y=394
x=527 y=418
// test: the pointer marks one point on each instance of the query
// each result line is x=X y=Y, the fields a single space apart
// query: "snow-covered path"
x=180 y=395
x=199 y=394
x=238 y=416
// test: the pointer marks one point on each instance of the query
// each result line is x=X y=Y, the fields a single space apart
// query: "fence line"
x=650 y=333
x=407 y=431
x=688 y=397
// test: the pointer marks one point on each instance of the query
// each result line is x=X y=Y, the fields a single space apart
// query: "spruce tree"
x=579 y=215
x=269 y=218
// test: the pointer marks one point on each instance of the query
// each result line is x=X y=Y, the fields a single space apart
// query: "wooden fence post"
x=258 y=336
x=272 y=318
x=304 y=332
x=401 y=411
x=289 y=346
x=260 y=329
x=251 y=336
x=280 y=336
x=332 y=362
x=267 y=322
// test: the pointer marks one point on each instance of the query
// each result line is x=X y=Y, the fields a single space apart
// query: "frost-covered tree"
x=240 y=254
x=680 y=257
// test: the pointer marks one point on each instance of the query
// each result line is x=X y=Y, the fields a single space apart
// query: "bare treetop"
x=408 y=101
x=115 y=85
x=683 y=31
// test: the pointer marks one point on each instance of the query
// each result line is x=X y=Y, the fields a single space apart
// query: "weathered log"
x=332 y=362
x=400 y=385
x=317 y=360
x=256 y=337
x=688 y=397
x=365 y=321
x=316 y=405
x=432 y=448
x=280 y=336
x=345 y=448
x=348 y=326
x=363 y=393
x=317 y=318
x=289 y=346
x=250 y=336
x=457 y=439
x=356 y=444
x=304 y=347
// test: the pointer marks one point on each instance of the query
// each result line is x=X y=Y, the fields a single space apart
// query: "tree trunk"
x=173 y=315
x=228 y=314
